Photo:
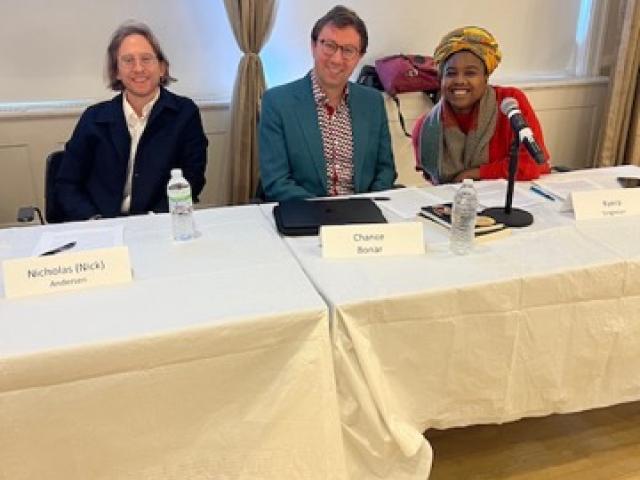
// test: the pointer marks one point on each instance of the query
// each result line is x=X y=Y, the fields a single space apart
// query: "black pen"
x=59 y=249
x=375 y=199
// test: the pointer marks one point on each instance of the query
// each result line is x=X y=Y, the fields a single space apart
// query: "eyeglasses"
x=129 y=61
x=329 y=48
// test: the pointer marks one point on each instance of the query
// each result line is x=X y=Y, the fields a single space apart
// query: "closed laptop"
x=305 y=217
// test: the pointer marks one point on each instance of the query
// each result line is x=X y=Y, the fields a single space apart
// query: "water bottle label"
x=179 y=196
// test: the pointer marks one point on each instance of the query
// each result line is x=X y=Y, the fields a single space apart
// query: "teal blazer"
x=292 y=163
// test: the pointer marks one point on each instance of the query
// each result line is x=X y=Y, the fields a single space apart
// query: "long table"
x=239 y=355
x=214 y=363
x=546 y=321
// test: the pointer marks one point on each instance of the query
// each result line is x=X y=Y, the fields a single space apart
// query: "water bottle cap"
x=176 y=172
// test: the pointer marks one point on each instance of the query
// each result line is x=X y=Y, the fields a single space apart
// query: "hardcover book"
x=441 y=214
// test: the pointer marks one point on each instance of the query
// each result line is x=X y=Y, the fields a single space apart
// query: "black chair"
x=53 y=213
x=259 y=196
x=560 y=169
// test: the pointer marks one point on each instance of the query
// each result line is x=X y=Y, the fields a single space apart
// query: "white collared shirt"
x=136 y=126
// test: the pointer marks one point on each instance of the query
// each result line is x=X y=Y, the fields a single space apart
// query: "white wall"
x=55 y=50
x=537 y=37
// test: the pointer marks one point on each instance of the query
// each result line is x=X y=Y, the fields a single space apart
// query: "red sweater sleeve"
x=498 y=165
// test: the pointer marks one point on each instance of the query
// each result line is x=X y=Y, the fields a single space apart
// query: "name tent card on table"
x=372 y=240
x=64 y=272
x=617 y=202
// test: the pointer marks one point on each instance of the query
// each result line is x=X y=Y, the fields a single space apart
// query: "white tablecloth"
x=547 y=320
x=214 y=363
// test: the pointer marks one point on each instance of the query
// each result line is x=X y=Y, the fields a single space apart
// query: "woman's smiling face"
x=464 y=81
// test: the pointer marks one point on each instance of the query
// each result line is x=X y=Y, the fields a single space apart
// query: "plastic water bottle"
x=180 y=206
x=463 y=218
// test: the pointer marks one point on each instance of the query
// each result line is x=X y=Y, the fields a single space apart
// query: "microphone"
x=510 y=108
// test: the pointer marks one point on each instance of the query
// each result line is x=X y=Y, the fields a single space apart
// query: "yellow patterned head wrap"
x=474 y=39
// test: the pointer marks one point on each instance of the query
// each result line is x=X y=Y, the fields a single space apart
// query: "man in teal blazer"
x=322 y=135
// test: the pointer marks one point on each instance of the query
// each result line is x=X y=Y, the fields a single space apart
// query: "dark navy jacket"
x=93 y=173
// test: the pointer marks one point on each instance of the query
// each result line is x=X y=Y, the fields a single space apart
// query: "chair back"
x=260 y=196
x=53 y=212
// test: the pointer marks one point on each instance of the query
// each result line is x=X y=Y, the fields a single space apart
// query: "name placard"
x=372 y=240
x=619 y=202
x=70 y=271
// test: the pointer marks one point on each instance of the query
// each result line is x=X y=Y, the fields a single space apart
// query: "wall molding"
x=73 y=108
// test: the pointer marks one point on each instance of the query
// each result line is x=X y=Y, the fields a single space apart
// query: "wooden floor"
x=600 y=444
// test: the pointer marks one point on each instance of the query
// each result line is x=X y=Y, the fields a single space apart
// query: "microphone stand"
x=511 y=217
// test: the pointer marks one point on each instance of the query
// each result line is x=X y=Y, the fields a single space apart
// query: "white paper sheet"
x=561 y=189
x=85 y=239
x=494 y=193
x=407 y=202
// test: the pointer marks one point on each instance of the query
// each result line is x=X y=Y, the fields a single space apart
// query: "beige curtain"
x=620 y=139
x=251 y=21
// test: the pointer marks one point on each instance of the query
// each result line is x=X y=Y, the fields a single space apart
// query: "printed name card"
x=70 y=271
x=618 y=202
x=372 y=240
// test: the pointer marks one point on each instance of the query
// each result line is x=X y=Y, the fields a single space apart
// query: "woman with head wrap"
x=466 y=135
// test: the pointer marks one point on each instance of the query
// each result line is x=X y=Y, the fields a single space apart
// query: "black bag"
x=369 y=77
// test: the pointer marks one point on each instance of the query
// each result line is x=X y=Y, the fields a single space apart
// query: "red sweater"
x=498 y=165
